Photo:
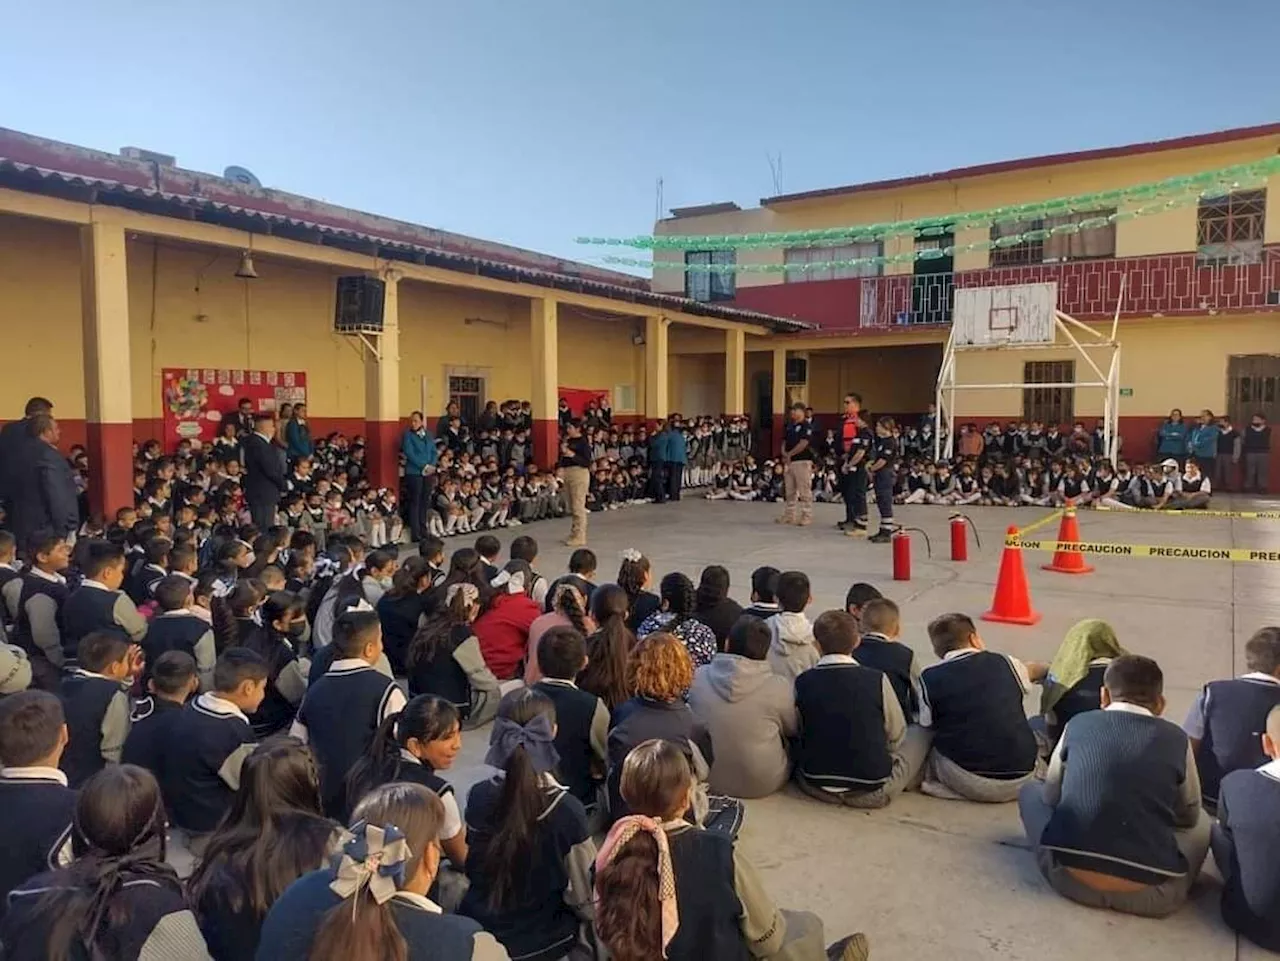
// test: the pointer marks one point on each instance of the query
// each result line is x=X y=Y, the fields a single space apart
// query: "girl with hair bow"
x=445 y=658
x=530 y=848
x=371 y=903
x=503 y=629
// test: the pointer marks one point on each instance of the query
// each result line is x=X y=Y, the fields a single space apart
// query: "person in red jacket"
x=503 y=629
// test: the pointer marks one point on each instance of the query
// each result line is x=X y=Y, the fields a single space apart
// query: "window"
x=624 y=398
x=1095 y=238
x=706 y=285
x=1049 y=405
x=1229 y=229
x=796 y=256
x=1020 y=254
x=468 y=394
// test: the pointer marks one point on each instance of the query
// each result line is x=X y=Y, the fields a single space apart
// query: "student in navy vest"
x=276 y=641
x=206 y=746
x=373 y=900
x=1227 y=718
x=342 y=711
x=582 y=720
x=33 y=791
x=1073 y=684
x=855 y=748
x=445 y=658
x=172 y=682
x=667 y=889
x=880 y=623
x=1117 y=823
x=38 y=628
x=99 y=604
x=10 y=581
x=273 y=834
x=1246 y=844
x=983 y=747
x=178 y=628
x=96 y=701
x=530 y=851
x=117 y=899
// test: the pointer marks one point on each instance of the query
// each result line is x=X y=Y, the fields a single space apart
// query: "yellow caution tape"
x=1150 y=550
x=1246 y=515
x=1043 y=521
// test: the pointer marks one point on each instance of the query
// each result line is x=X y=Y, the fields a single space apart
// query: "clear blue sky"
x=533 y=121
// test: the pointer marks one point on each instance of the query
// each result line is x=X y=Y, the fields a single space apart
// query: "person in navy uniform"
x=884 y=463
x=854 y=445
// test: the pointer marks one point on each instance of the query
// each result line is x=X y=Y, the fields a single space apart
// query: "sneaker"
x=881 y=536
x=855 y=532
x=804 y=522
x=855 y=947
x=784 y=519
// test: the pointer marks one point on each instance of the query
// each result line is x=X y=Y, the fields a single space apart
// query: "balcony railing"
x=1165 y=285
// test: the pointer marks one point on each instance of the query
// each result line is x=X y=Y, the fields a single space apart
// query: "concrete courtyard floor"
x=927 y=878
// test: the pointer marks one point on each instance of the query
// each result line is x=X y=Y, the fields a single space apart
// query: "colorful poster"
x=197 y=400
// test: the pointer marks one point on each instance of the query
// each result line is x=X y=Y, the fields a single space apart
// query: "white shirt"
x=96 y=585
x=34 y=774
x=393 y=704
x=1128 y=708
x=835 y=659
x=1271 y=769
x=55 y=578
x=216 y=705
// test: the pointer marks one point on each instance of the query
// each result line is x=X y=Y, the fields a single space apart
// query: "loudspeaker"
x=797 y=370
x=358 y=305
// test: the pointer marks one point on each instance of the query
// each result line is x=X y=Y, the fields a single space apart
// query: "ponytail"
x=569 y=603
x=631 y=575
x=435 y=632
x=628 y=915
x=379 y=764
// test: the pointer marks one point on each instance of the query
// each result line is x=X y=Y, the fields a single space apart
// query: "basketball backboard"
x=996 y=316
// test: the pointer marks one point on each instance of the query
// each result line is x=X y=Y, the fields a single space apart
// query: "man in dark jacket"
x=42 y=497
x=264 y=469
x=13 y=437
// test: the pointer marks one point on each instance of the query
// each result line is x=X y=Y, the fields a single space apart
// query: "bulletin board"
x=196 y=400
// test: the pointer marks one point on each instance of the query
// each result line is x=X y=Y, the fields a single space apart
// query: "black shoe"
x=881 y=536
x=842 y=526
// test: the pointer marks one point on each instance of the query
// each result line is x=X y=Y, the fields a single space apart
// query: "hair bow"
x=631 y=554
x=623 y=831
x=537 y=737
x=469 y=592
x=514 y=583
x=375 y=858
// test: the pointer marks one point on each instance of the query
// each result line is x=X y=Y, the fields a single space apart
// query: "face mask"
x=297 y=629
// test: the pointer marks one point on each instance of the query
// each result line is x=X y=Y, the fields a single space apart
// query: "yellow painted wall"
x=1167 y=363
x=1172 y=231
x=695 y=383
x=890 y=379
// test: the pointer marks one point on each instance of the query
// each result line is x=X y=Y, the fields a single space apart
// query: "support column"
x=108 y=385
x=735 y=372
x=655 y=367
x=779 y=395
x=382 y=426
x=544 y=328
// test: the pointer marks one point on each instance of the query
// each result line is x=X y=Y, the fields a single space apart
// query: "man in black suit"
x=13 y=437
x=42 y=498
x=264 y=471
x=244 y=418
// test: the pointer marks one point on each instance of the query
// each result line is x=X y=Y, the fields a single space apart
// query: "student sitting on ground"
x=666 y=889
x=764 y=593
x=33 y=791
x=582 y=575
x=379 y=572
x=568 y=608
x=859 y=596
x=118 y=898
x=38 y=627
x=503 y=628
x=400 y=608
x=284 y=625
x=793 y=650
x=983 y=747
x=635 y=574
x=582 y=720
x=273 y=834
x=675 y=616
x=1117 y=823
x=98 y=604
x=342 y=711
x=609 y=648
x=1226 y=718
x=714 y=607
x=1073 y=683
x=172 y=682
x=530 y=850
x=207 y=743
x=372 y=901
x=445 y=659
x=881 y=649
x=176 y=628
x=1246 y=844
x=749 y=712
x=95 y=697
x=855 y=748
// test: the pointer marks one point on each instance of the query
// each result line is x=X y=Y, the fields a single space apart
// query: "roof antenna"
x=657 y=204
x=775 y=171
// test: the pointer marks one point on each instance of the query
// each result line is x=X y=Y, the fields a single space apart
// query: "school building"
x=1199 y=321
x=139 y=296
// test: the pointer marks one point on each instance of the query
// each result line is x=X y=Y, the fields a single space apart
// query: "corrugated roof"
x=43 y=166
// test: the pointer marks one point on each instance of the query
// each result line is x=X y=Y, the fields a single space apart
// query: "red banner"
x=197 y=400
x=579 y=397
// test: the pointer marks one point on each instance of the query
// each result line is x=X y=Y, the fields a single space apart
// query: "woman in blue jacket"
x=1203 y=442
x=1171 y=439
x=297 y=434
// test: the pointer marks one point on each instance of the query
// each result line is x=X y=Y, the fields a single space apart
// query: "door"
x=762 y=420
x=933 y=281
x=1252 y=382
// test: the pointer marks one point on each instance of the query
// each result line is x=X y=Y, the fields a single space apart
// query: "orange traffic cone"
x=1012 y=601
x=1069 y=562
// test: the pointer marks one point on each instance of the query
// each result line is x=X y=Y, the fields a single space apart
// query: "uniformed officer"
x=854 y=445
x=884 y=464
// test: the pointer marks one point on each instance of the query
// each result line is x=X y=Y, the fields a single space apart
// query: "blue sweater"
x=419 y=449
x=677 y=447
x=1250 y=831
x=1204 y=440
x=297 y=437
x=1172 y=439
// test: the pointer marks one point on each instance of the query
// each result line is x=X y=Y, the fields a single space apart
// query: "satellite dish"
x=240 y=175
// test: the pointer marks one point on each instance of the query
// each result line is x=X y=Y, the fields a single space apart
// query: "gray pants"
x=973 y=787
x=1257 y=471
x=1154 y=901
x=908 y=771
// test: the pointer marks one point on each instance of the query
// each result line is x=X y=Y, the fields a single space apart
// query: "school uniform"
x=286 y=684
x=338 y=717
x=552 y=896
x=141 y=583
x=156 y=922
x=983 y=747
x=1228 y=719
x=456 y=671
x=642 y=719
x=1084 y=695
x=899 y=664
x=853 y=737
x=181 y=630
x=643 y=606
x=291 y=925
x=38 y=627
x=203 y=753
x=1246 y=848
x=582 y=734
x=95 y=607
x=40 y=808
x=149 y=726
x=10 y=592
x=97 y=710
x=1121 y=799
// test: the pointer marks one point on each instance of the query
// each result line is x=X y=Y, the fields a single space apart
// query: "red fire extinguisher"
x=959 y=539
x=901 y=542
